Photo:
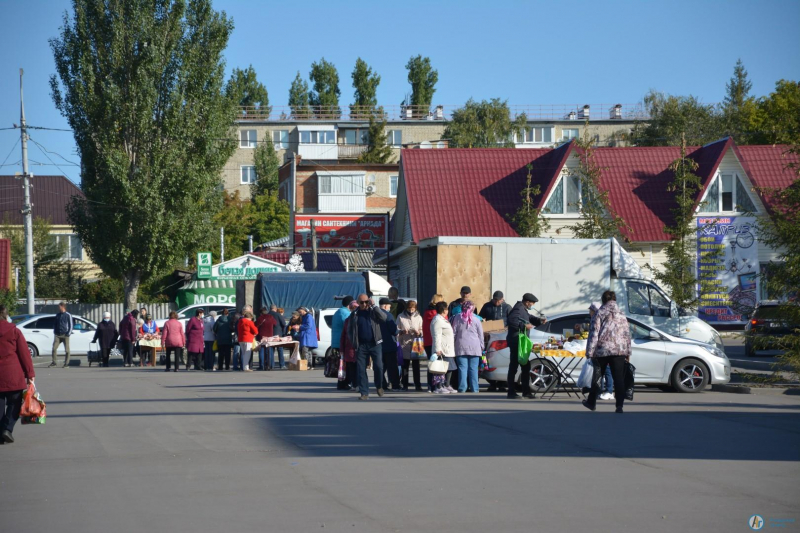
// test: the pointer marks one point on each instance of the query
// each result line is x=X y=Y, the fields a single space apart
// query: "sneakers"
x=380 y=393
x=362 y=397
x=589 y=407
x=513 y=396
x=606 y=396
x=451 y=390
x=51 y=365
x=618 y=410
x=441 y=390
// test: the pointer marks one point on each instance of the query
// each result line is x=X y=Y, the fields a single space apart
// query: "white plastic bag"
x=587 y=373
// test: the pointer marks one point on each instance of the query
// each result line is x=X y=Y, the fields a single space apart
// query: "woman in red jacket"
x=16 y=371
x=194 y=340
x=247 y=332
x=173 y=339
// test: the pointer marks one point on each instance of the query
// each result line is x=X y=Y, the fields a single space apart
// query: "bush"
x=8 y=298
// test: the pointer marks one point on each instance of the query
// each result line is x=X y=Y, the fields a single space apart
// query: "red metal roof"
x=470 y=192
x=49 y=196
x=5 y=264
x=766 y=166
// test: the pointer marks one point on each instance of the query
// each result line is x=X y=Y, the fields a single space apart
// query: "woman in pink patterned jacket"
x=609 y=344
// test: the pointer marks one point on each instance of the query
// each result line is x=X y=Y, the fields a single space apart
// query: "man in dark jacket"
x=496 y=309
x=280 y=330
x=127 y=336
x=389 y=347
x=106 y=335
x=62 y=329
x=364 y=333
x=520 y=321
x=466 y=294
x=397 y=306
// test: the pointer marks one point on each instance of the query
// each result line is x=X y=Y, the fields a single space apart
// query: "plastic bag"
x=215 y=347
x=525 y=346
x=587 y=373
x=628 y=380
x=418 y=348
x=34 y=410
x=342 y=372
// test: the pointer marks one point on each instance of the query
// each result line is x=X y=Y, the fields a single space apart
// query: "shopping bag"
x=630 y=370
x=342 y=374
x=214 y=347
x=255 y=346
x=440 y=366
x=525 y=346
x=332 y=365
x=34 y=410
x=418 y=348
x=587 y=373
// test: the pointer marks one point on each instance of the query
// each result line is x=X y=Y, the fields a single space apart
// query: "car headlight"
x=716 y=338
x=713 y=350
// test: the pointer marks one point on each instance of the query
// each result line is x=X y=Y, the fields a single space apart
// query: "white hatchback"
x=659 y=358
x=38 y=332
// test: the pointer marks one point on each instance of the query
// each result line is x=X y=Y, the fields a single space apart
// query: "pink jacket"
x=194 y=335
x=172 y=335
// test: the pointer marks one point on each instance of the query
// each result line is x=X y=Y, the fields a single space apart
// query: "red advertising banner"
x=342 y=232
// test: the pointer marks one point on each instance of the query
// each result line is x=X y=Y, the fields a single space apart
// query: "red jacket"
x=427 y=318
x=172 y=335
x=246 y=330
x=266 y=325
x=127 y=328
x=15 y=359
x=194 y=336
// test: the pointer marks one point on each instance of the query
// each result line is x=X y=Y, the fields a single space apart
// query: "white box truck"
x=565 y=274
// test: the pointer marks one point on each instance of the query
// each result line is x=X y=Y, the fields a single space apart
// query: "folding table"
x=565 y=362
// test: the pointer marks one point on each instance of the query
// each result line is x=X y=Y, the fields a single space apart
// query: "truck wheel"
x=690 y=375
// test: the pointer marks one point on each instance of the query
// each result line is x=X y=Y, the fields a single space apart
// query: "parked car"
x=659 y=358
x=765 y=325
x=185 y=313
x=38 y=331
x=324 y=320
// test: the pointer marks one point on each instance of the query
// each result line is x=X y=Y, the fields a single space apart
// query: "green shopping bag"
x=525 y=346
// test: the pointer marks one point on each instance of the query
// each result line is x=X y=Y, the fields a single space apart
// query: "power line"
x=9 y=153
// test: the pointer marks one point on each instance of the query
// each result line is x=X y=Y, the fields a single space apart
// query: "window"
x=48 y=322
x=81 y=325
x=569 y=324
x=567 y=134
x=393 y=185
x=71 y=244
x=341 y=184
x=280 y=139
x=394 y=137
x=726 y=194
x=356 y=137
x=645 y=300
x=539 y=134
x=567 y=201
x=247 y=139
x=639 y=332
x=248 y=174
x=318 y=137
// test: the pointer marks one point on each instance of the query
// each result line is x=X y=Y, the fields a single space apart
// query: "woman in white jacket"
x=443 y=346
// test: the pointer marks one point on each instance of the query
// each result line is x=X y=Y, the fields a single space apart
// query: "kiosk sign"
x=204 y=265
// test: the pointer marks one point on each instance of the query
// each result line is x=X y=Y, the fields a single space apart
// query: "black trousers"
x=104 y=353
x=350 y=377
x=178 y=351
x=127 y=351
x=193 y=359
x=224 y=356
x=12 y=403
x=414 y=365
x=617 y=363
x=390 y=366
x=513 y=366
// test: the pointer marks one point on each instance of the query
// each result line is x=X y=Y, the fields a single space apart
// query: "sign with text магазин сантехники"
x=727 y=268
x=348 y=232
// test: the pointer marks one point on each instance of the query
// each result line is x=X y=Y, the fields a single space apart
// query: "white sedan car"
x=659 y=358
x=38 y=331
x=189 y=311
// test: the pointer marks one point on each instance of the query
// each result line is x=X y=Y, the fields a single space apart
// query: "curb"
x=762 y=391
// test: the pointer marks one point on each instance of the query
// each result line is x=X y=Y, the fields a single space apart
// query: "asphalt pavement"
x=144 y=450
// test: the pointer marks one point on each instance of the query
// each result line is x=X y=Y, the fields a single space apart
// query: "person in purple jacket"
x=194 y=340
x=127 y=336
x=468 y=333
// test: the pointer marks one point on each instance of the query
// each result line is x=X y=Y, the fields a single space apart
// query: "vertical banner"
x=727 y=269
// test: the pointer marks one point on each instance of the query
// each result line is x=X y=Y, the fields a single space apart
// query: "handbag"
x=525 y=346
x=214 y=347
x=440 y=366
x=255 y=345
x=418 y=348
x=332 y=364
x=628 y=380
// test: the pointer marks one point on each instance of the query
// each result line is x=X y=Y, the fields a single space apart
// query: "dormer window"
x=727 y=194
x=565 y=200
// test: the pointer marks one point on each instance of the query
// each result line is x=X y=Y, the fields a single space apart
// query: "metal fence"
x=94 y=312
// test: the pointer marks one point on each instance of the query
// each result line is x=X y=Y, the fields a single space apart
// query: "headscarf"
x=466 y=312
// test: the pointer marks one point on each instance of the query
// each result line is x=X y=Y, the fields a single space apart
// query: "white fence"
x=94 y=312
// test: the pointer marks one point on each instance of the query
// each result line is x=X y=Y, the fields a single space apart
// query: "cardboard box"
x=301 y=365
x=491 y=326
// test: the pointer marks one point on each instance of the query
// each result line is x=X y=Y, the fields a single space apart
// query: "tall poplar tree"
x=141 y=84
x=423 y=78
x=324 y=95
x=299 y=98
x=365 y=83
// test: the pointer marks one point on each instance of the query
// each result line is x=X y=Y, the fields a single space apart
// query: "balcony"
x=342 y=203
x=352 y=151
x=316 y=151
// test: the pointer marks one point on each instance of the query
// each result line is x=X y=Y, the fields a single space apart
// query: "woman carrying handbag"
x=409 y=329
x=443 y=352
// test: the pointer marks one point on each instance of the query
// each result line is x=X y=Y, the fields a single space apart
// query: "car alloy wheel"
x=690 y=375
x=543 y=375
x=34 y=351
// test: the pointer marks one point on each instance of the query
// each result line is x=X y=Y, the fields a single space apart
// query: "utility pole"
x=250 y=243
x=27 y=207
x=293 y=204
x=222 y=245
x=313 y=245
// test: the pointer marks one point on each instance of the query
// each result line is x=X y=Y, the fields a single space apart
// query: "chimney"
x=439 y=112
x=571 y=115
x=615 y=113
x=583 y=114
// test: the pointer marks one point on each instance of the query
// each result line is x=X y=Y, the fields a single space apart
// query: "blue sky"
x=526 y=52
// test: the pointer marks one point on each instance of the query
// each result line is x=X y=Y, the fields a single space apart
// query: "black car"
x=767 y=322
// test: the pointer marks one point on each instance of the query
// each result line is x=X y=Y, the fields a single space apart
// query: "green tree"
x=324 y=97
x=8 y=298
x=103 y=291
x=365 y=83
x=299 y=98
x=671 y=117
x=483 y=125
x=267 y=164
x=598 y=219
x=738 y=107
x=528 y=219
x=678 y=275
x=782 y=278
x=777 y=120
x=244 y=88
x=422 y=78
x=270 y=217
x=141 y=85
x=378 y=150
x=236 y=216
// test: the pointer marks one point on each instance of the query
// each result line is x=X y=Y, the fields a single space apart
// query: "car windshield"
x=769 y=312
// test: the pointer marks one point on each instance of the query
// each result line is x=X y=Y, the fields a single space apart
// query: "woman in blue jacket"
x=308 y=336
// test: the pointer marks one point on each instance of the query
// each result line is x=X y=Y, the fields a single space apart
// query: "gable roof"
x=49 y=196
x=470 y=192
x=766 y=166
